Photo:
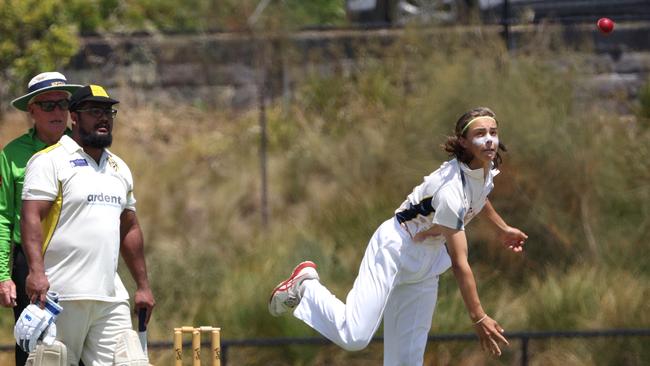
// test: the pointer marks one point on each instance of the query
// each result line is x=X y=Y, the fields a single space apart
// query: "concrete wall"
x=225 y=70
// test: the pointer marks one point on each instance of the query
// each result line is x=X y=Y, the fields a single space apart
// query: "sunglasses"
x=99 y=112
x=49 y=105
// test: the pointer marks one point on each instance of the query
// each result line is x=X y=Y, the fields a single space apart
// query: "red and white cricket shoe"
x=288 y=293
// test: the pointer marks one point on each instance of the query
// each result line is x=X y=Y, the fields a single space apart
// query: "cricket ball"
x=605 y=25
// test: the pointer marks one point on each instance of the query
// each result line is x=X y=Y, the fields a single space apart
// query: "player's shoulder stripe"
x=49 y=148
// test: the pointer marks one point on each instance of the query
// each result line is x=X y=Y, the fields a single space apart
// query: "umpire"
x=46 y=101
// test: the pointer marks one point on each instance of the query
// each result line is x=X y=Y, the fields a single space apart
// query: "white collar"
x=478 y=173
x=71 y=146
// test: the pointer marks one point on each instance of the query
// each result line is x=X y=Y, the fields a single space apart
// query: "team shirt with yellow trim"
x=82 y=230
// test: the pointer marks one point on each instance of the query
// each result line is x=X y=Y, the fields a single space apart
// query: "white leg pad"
x=43 y=355
x=128 y=351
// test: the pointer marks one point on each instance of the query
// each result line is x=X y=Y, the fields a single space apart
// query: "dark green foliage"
x=38 y=35
x=35 y=36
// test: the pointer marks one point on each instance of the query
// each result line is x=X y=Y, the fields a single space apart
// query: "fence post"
x=224 y=355
x=262 y=152
x=524 y=350
x=505 y=20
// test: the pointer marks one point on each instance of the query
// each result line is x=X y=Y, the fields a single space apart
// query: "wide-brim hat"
x=90 y=93
x=41 y=83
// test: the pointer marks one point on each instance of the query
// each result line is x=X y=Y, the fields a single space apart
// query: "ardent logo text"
x=104 y=198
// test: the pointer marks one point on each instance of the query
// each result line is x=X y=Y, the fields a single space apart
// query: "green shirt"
x=13 y=160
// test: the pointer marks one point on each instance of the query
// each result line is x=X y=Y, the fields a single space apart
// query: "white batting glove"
x=49 y=335
x=29 y=327
x=36 y=324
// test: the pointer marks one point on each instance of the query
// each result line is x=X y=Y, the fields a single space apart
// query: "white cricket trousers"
x=398 y=279
x=90 y=330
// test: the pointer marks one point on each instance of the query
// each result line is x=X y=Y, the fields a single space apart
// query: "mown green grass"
x=344 y=154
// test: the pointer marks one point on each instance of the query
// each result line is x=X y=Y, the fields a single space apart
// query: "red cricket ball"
x=605 y=25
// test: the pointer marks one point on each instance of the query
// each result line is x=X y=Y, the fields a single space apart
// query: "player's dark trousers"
x=19 y=275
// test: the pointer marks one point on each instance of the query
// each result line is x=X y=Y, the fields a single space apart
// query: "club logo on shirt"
x=104 y=199
x=112 y=163
x=78 y=162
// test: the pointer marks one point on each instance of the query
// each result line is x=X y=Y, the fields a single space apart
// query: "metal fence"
x=524 y=339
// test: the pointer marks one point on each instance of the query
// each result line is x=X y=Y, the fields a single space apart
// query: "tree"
x=42 y=35
x=34 y=37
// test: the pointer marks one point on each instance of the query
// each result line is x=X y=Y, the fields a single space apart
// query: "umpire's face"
x=50 y=114
x=93 y=121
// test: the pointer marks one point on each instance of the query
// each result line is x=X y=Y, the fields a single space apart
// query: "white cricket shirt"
x=82 y=230
x=450 y=196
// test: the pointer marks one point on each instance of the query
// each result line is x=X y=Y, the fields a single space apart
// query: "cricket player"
x=78 y=217
x=398 y=276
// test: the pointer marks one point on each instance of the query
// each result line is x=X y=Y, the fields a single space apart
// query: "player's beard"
x=93 y=139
